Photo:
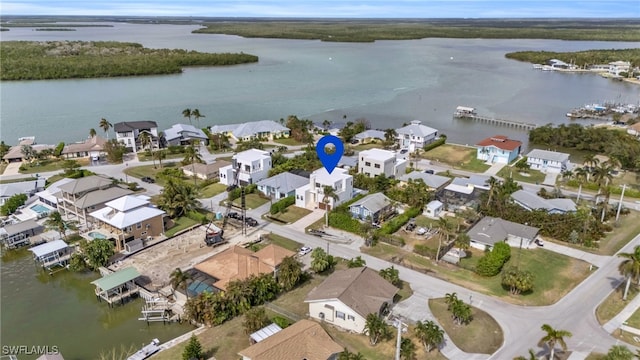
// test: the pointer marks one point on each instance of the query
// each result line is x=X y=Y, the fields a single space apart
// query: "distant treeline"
x=29 y=60
x=580 y=58
x=371 y=30
x=43 y=25
x=55 y=29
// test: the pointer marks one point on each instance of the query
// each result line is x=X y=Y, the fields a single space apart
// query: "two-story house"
x=415 y=136
x=252 y=166
x=184 y=134
x=376 y=162
x=128 y=133
x=498 y=149
x=616 y=67
x=312 y=194
x=548 y=161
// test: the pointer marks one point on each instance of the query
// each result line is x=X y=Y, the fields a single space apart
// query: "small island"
x=32 y=60
x=55 y=29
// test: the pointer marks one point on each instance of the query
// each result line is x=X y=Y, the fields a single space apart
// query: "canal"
x=61 y=310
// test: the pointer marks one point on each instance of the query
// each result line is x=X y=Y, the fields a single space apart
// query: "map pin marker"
x=329 y=161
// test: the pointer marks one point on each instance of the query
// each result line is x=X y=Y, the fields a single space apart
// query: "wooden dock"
x=499 y=122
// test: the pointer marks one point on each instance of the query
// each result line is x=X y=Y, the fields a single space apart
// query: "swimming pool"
x=96 y=235
x=40 y=209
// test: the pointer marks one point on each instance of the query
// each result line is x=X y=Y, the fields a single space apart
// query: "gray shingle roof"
x=490 y=230
x=431 y=180
x=533 y=201
x=134 y=125
x=374 y=134
x=416 y=129
x=85 y=184
x=285 y=182
x=13 y=229
x=548 y=155
x=373 y=203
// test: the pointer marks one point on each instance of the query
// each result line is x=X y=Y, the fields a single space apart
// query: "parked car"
x=148 y=180
x=410 y=226
x=429 y=172
x=251 y=222
x=304 y=250
x=539 y=242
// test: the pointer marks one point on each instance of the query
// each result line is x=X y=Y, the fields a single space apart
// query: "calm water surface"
x=386 y=82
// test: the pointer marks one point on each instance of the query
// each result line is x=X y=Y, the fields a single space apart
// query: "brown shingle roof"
x=501 y=142
x=206 y=169
x=362 y=289
x=95 y=143
x=303 y=340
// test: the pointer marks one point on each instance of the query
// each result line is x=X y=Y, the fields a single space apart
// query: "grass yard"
x=288 y=141
x=533 y=176
x=284 y=242
x=613 y=304
x=31 y=178
x=290 y=215
x=457 y=156
x=40 y=166
x=212 y=190
x=3 y=166
x=482 y=335
x=252 y=201
x=148 y=170
x=181 y=223
x=367 y=146
x=627 y=228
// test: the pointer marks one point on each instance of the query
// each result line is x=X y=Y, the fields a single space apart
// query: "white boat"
x=146 y=351
x=537 y=66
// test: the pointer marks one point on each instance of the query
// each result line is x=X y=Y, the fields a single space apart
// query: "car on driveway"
x=539 y=242
x=304 y=250
x=148 y=180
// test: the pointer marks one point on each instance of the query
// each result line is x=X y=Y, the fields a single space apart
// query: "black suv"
x=148 y=180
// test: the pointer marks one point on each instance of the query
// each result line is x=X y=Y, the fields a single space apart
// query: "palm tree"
x=390 y=136
x=27 y=152
x=92 y=133
x=630 y=268
x=430 y=334
x=554 y=337
x=179 y=280
x=329 y=193
x=105 y=125
x=56 y=222
x=407 y=349
x=186 y=113
x=450 y=299
x=444 y=227
x=145 y=140
x=493 y=184
x=619 y=352
x=192 y=156
x=581 y=174
x=196 y=115
x=532 y=356
x=375 y=328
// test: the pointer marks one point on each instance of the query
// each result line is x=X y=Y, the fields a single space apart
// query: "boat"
x=146 y=351
x=464 y=111
x=537 y=66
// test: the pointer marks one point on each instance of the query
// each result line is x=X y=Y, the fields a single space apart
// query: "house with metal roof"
x=374 y=162
x=346 y=297
x=548 y=161
x=433 y=181
x=117 y=286
x=498 y=149
x=369 y=136
x=28 y=188
x=16 y=235
x=52 y=254
x=130 y=220
x=463 y=191
x=185 y=134
x=304 y=339
x=415 y=136
x=263 y=129
x=282 y=185
x=373 y=208
x=532 y=201
x=129 y=132
x=490 y=230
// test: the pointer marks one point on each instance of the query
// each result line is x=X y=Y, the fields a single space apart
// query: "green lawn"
x=367 y=146
x=181 y=223
x=284 y=242
x=534 y=176
x=31 y=178
x=613 y=304
x=39 y=166
x=212 y=190
x=148 y=170
x=458 y=157
x=3 y=166
x=288 y=141
x=291 y=214
x=252 y=201
x=144 y=157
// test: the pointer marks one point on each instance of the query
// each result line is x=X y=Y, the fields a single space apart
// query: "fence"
x=282 y=311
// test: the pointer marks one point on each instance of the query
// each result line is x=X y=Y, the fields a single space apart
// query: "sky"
x=330 y=8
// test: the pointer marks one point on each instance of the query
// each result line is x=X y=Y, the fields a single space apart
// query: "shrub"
x=280 y=205
x=344 y=221
x=58 y=150
x=12 y=204
x=491 y=263
x=424 y=250
x=397 y=222
x=435 y=144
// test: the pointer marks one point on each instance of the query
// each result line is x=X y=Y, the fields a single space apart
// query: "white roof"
x=48 y=248
x=323 y=177
x=127 y=203
x=251 y=155
x=370 y=134
x=434 y=204
x=548 y=155
x=184 y=130
x=459 y=188
x=431 y=180
x=123 y=219
x=416 y=129
x=533 y=201
x=250 y=128
x=265 y=332
x=377 y=154
x=284 y=182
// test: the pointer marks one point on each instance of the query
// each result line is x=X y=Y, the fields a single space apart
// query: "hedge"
x=397 y=222
x=435 y=144
x=491 y=263
x=12 y=204
x=344 y=221
x=282 y=204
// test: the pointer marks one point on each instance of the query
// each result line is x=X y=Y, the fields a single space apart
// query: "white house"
x=128 y=133
x=346 y=297
x=498 y=149
x=433 y=209
x=253 y=164
x=532 y=201
x=184 y=134
x=415 y=136
x=312 y=194
x=257 y=129
x=616 y=67
x=490 y=230
x=281 y=185
x=376 y=162
x=548 y=161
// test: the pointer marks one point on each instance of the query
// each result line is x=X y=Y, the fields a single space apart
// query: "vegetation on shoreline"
x=580 y=58
x=48 y=25
x=30 y=60
x=55 y=29
x=371 y=30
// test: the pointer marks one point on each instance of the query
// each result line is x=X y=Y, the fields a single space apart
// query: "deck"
x=495 y=121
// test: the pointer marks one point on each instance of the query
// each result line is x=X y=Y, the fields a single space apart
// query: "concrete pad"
x=12 y=169
x=493 y=170
x=550 y=179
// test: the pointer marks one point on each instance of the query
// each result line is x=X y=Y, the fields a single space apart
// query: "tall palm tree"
x=179 y=280
x=390 y=136
x=375 y=328
x=192 y=156
x=430 y=334
x=92 y=133
x=329 y=193
x=56 y=222
x=554 y=337
x=145 y=140
x=186 y=113
x=196 y=115
x=493 y=184
x=581 y=174
x=630 y=268
x=105 y=125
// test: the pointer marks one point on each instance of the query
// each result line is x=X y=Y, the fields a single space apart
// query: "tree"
x=115 y=151
x=186 y=113
x=57 y=223
x=619 y=352
x=178 y=198
x=517 y=281
x=329 y=193
x=326 y=124
x=461 y=312
x=196 y=115
x=493 y=184
x=192 y=156
x=554 y=337
x=179 y=279
x=450 y=299
x=630 y=268
x=98 y=252
x=430 y=334
x=321 y=261
x=376 y=328
x=92 y=133
x=255 y=319
x=532 y=356
x=70 y=166
x=407 y=349
x=12 y=204
x=392 y=275
x=356 y=262
x=193 y=349
x=463 y=241
x=4 y=149
x=390 y=136
x=105 y=125
x=347 y=355
x=289 y=273
x=27 y=152
x=145 y=140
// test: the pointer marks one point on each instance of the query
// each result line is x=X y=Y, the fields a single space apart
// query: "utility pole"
x=624 y=187
x=399 y=338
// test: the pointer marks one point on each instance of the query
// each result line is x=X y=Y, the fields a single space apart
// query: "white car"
x=304 y=250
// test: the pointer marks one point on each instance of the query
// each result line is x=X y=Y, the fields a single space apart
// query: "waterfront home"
x=282 y=185
x=205 y=171
x=28 y=188
x=311 y=195
x=346 y=297
x=433 y=182
x=15 y=152
x=376 y=162
x=48 y=195
x=372 y=208
x=91 y=147
x=16 y=235
x=252 y=166
x=558 y=64
x=52 y=254
x=616 y=67
x=130 y=220
x=532 y=201
x=490 y=230
x=184 y=134
x=129 y=132
x=117 y=286
x=433 y=209
x=548 y=161
x=77 y=198
x=368 y=136
x=304 y=339
x=263 y=129
x=415 y=136
x=238 y=263
x=634 y=129
x=498 y=149
x=463 y=191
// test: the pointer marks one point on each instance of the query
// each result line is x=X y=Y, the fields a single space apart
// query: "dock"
x=495 y=121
